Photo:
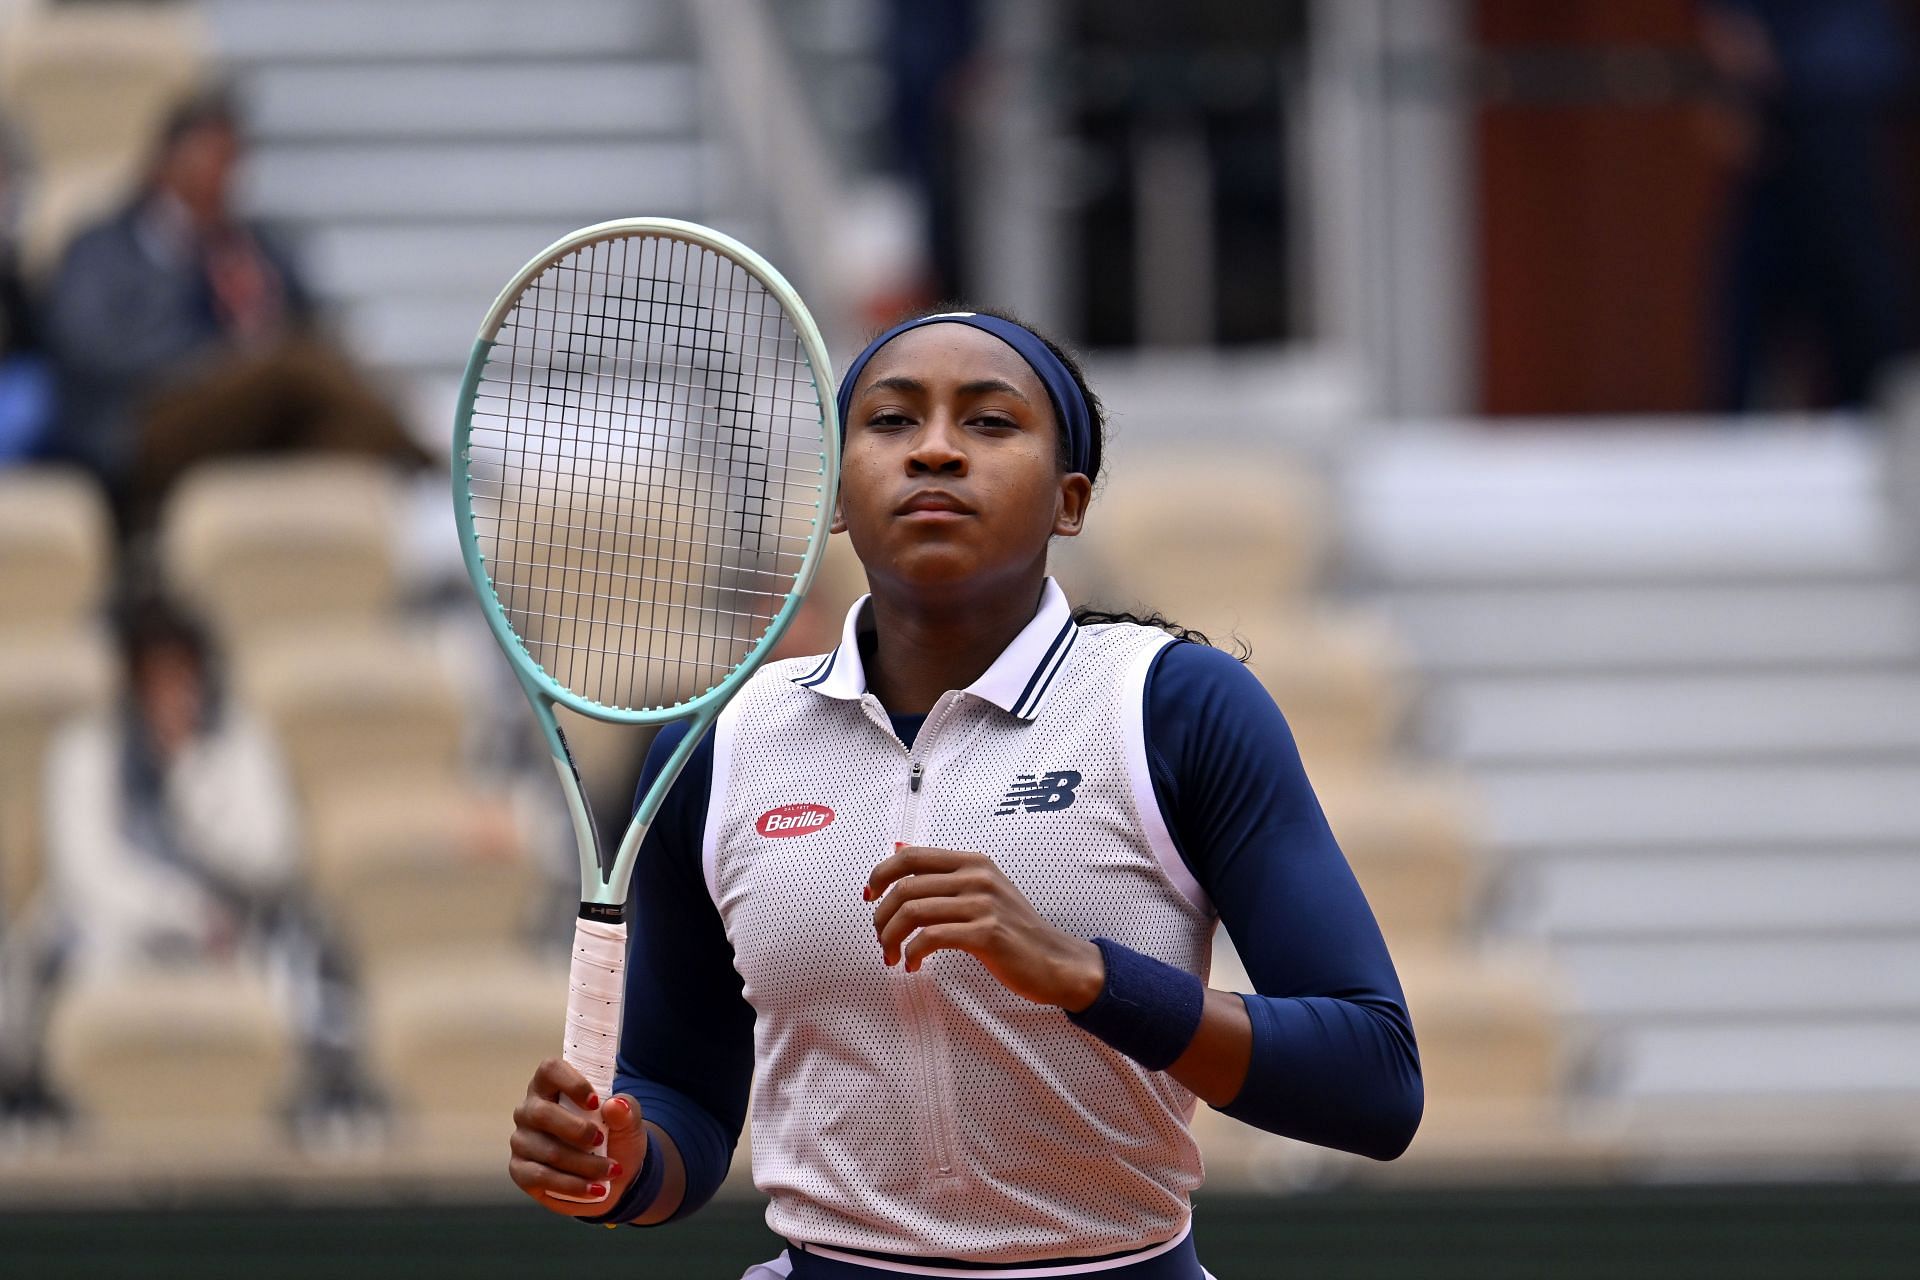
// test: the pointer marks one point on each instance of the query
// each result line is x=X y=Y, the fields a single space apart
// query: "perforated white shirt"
x=937 y=1112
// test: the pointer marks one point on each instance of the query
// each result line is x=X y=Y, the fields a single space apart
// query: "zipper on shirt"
x=926 y=1026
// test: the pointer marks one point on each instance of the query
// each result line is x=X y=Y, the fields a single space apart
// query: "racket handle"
x=593 y=1017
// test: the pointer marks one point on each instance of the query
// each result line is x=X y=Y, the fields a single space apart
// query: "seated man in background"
x=182 y=332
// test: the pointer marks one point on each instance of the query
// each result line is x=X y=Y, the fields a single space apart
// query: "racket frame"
x=604 y=881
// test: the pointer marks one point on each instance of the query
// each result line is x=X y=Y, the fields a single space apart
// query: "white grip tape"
x=593 y=1016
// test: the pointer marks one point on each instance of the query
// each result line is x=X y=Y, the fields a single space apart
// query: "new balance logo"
x=1039 y=794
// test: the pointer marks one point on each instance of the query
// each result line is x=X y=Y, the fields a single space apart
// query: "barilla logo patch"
x=793 y=820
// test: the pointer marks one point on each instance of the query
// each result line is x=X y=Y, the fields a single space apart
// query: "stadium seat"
x=455 y=1040
x=173 y=1060
x=1203 y=540
x=354 y=702
x=265 y=546
x=88 y=85
x=44 y=681
x=1411 y=838
x=1490 y=1044
x=408 y=870
x=1338 y=677
x=55 y=549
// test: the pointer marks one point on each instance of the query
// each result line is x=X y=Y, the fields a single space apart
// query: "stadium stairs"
x=1681 y=661
x=420 y=153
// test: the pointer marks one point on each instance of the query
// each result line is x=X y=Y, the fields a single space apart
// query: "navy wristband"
x=1147 y=1009
x=640 y=1193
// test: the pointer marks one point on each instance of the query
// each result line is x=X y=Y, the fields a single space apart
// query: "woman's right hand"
x=553 y=1146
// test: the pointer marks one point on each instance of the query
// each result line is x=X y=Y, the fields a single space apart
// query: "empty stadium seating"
x=265 y=546
x=1414 y=841
x=55 y=552
x=413 y=869
x=455 y=1041
x=1204 y=538
x=355 y=702
x=193 y=1064
x=44 y=681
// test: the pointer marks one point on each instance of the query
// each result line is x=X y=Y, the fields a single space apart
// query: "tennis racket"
x=644 y=459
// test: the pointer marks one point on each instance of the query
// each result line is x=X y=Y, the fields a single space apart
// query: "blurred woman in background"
x=172 y=840
x=171 y=832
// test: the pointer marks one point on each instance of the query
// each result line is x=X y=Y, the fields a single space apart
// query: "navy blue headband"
x=1069 y=406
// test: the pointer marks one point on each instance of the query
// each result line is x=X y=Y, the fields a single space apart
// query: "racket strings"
x=646 y=468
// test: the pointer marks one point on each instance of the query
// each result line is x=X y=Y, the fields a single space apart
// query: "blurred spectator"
x=1812 y=256
x=172 y=840
x=183 y=332
x=26 y=383
x=929 y=54
x=171 y=833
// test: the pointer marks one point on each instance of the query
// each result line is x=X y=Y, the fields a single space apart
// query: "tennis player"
x=947 y=892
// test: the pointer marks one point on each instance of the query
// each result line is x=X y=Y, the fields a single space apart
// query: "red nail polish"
x=899 y=844
x=614 y=1172
x=597 y=1189
x=866 y=893
x=593 y=1102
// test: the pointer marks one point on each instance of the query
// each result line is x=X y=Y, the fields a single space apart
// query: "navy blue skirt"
x=1174 y=1260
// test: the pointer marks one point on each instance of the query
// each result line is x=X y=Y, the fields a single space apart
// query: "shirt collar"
x=1017 y=682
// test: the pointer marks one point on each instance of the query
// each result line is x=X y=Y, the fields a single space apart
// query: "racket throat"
x=586 y=833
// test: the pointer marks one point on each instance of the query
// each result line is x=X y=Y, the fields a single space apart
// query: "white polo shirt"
x=937 y=1112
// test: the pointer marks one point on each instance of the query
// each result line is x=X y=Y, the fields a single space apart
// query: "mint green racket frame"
x=604 y=881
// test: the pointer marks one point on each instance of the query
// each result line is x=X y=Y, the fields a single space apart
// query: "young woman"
x=948 y=891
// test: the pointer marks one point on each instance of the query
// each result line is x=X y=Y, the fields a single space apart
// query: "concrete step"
x=1666 y=893
x=552 y=100
x=300 y=31
x=1533 y=811
x=1636 y=980
x=1536 y=720
x=1740 y=542
x=367 y=261
x=1620 y=506
x=1798 y=1060
x=1464 y=632
x=583 y=182
x=421 y=333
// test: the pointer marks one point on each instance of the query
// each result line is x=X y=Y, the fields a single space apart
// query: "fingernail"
x=597 y=1189
x=614 y=1171
x=899 y=844
x=593 y=1102
x=866 y=893
x=621 y=1103
x=599 y=1137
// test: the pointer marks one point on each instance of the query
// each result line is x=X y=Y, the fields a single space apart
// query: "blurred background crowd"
x=1525 y=383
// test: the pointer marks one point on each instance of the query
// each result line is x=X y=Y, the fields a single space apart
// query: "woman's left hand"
x=946 y=900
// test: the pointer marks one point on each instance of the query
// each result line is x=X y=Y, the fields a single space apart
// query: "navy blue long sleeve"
x=1334 y=1061
x=686 y=1033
